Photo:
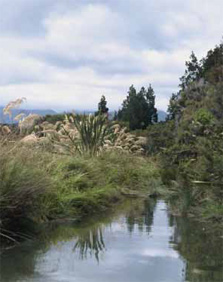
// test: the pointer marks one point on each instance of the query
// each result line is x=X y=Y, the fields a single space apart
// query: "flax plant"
x=92 y=133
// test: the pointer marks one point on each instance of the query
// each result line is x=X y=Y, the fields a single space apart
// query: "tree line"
x=138 y=109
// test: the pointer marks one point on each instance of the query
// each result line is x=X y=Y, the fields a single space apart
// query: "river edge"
x=186 y=240
x=112 y=201
x=113 y=204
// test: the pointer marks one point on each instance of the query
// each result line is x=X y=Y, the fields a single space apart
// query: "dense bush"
x=190 y=143
x=160 y=136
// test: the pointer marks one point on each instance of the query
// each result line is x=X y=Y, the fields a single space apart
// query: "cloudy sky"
x=64 y=54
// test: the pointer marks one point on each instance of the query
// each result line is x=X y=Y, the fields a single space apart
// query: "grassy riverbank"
x=37 y=186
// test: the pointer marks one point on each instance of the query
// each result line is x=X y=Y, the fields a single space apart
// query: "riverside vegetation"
x=70 y=169
x=69 y=166
x=189 y=144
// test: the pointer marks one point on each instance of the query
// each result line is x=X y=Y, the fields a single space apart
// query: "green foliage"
x=88 y=135
x=92 y=132
x=201 y=246
x=204 y=117
x=102 y=106
x=193 y=162
x=138 y=109
x=173 y=107
x=22 y=183
x=37 y=186
x=212 y=69
x=54 y=118
x=160 y=136
x=192 y=72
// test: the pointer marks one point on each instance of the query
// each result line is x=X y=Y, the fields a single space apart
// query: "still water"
x=139 y=242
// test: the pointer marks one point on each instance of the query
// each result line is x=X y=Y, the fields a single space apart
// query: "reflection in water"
x=141 y=216
x=90 y=242
x=202 y=248
x=139 y=242
x=137 y=215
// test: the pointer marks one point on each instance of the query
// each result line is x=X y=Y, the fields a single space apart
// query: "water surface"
x=140 y=242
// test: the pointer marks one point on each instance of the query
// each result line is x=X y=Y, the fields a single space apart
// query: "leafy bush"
x=204 y=117
x=195 y=159
x=160 y=136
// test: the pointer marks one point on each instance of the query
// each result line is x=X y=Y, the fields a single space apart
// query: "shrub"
x=204 y=117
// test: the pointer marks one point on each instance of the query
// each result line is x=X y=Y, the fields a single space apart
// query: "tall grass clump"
x=87 y=184
x=22 y=184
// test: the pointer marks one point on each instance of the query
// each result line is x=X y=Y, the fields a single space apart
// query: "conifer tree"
x=138 y=109
x=102 y=106
x=192 y=72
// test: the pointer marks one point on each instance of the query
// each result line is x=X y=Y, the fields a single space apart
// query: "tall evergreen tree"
x=192 y=72
x=115 y=115
x=173 y=107
x=138 y=109
x=213 y=64
x=102 y=106
x=150 y=97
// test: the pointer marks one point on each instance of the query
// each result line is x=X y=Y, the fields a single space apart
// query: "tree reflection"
x=200 y=245
x=141 y=216
x=202 y=248
x=137 y=213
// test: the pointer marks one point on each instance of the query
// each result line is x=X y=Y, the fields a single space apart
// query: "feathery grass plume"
x=29 y=139
x=28 y=123
x=83 y=134
x=47 y=125
x=116 y=128
x=19 y=117
x=92 y=134
x=120 y=139
x=58 y=125
x=12 y=105
x=5 y=130
x=141 y=140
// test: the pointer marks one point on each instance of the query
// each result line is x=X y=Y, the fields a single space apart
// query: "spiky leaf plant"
x=92 y=133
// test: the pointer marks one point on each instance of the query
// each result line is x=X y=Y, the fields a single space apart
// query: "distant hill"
x=6 y=119
x=15 y=112
x=162 y=115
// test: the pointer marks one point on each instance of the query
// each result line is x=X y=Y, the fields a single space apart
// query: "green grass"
x=88 y=184
x=37 y=186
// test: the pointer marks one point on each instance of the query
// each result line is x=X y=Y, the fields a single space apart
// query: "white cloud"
x=101 y=47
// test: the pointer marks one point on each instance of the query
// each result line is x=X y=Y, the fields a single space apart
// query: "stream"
x=138 y=242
